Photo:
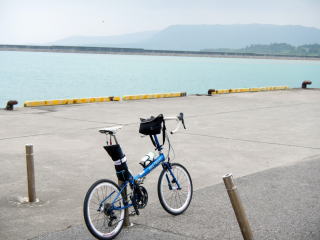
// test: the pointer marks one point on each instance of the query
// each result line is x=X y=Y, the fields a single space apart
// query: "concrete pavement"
x=241 y=133
x=281 y=203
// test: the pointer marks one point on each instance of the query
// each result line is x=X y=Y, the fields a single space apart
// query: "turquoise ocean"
x=43 y=76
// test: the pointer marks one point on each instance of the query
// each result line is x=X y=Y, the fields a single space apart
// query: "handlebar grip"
x=176 y=129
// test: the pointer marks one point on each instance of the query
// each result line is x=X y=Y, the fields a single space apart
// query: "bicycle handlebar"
x=179 y=119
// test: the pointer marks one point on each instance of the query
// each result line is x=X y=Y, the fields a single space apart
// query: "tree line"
x=310 y=50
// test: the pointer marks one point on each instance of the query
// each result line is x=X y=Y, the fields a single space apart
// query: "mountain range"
x=197 y=37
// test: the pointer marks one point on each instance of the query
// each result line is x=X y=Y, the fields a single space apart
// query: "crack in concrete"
x=83 y=120
x=25 y=136
x=190 y=116
x=64 y=130
x=166 y=231
x=253 y=141
x=249 y=109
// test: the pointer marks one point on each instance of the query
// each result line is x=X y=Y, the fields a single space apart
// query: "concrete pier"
x=244 y=133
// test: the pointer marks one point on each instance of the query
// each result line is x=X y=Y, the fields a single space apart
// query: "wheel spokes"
x=176 y=198
x=105 y=221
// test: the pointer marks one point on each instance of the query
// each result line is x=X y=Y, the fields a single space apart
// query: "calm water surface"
x=38 y=76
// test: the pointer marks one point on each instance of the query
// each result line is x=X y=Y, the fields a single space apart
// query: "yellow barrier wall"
x=238 y=90
x=100 y=99
x=69 y=101
x=156 y=95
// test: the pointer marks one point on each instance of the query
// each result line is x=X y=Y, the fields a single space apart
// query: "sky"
x=45 y=21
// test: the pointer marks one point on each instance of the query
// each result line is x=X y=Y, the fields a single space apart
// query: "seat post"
x=115 y=139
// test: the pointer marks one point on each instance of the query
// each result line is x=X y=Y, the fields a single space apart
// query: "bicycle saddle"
x=110 y=130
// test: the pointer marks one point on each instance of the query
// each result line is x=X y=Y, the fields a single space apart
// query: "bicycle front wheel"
x=103 y=212
x=175 y=189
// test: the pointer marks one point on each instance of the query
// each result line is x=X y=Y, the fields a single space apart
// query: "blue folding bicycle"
x=105 y=202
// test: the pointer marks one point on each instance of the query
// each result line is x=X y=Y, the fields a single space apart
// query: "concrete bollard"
x=10 y=104
x=30 y=173
x=237 y=207
x=305 y=83
x=210 y=91
x=126 y=211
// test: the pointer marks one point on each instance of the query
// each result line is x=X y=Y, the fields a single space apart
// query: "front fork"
x=167 y=166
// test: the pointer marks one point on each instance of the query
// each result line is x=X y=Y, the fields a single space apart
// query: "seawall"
x=141 y=51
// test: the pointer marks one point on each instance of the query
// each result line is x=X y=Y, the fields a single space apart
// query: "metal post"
x=30 y=173
x=237 y=207
x=126 y=210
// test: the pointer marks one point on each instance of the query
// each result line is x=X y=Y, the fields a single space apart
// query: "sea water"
x=43 y=76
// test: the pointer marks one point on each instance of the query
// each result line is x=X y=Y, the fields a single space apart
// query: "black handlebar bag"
x=120 y=161
x=151 y=126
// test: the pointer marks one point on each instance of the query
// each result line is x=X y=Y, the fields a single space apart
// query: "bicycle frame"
x=132 y=181
x=106 y=203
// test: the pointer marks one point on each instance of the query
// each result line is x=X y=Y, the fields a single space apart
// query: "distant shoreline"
x=140 y=51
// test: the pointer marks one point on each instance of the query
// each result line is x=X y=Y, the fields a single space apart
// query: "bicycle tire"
x=186 y=190
x=100 y=187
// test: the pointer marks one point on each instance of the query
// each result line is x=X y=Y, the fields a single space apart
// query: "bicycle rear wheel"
x=175 y=190
x=102 y=220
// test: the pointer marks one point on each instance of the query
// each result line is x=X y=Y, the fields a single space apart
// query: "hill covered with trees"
x=197 y=37
x=311 y=50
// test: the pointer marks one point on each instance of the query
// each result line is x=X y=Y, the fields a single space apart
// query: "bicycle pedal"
x=136 y=210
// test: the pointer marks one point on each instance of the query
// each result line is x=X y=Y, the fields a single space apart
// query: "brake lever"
x=180 y=117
